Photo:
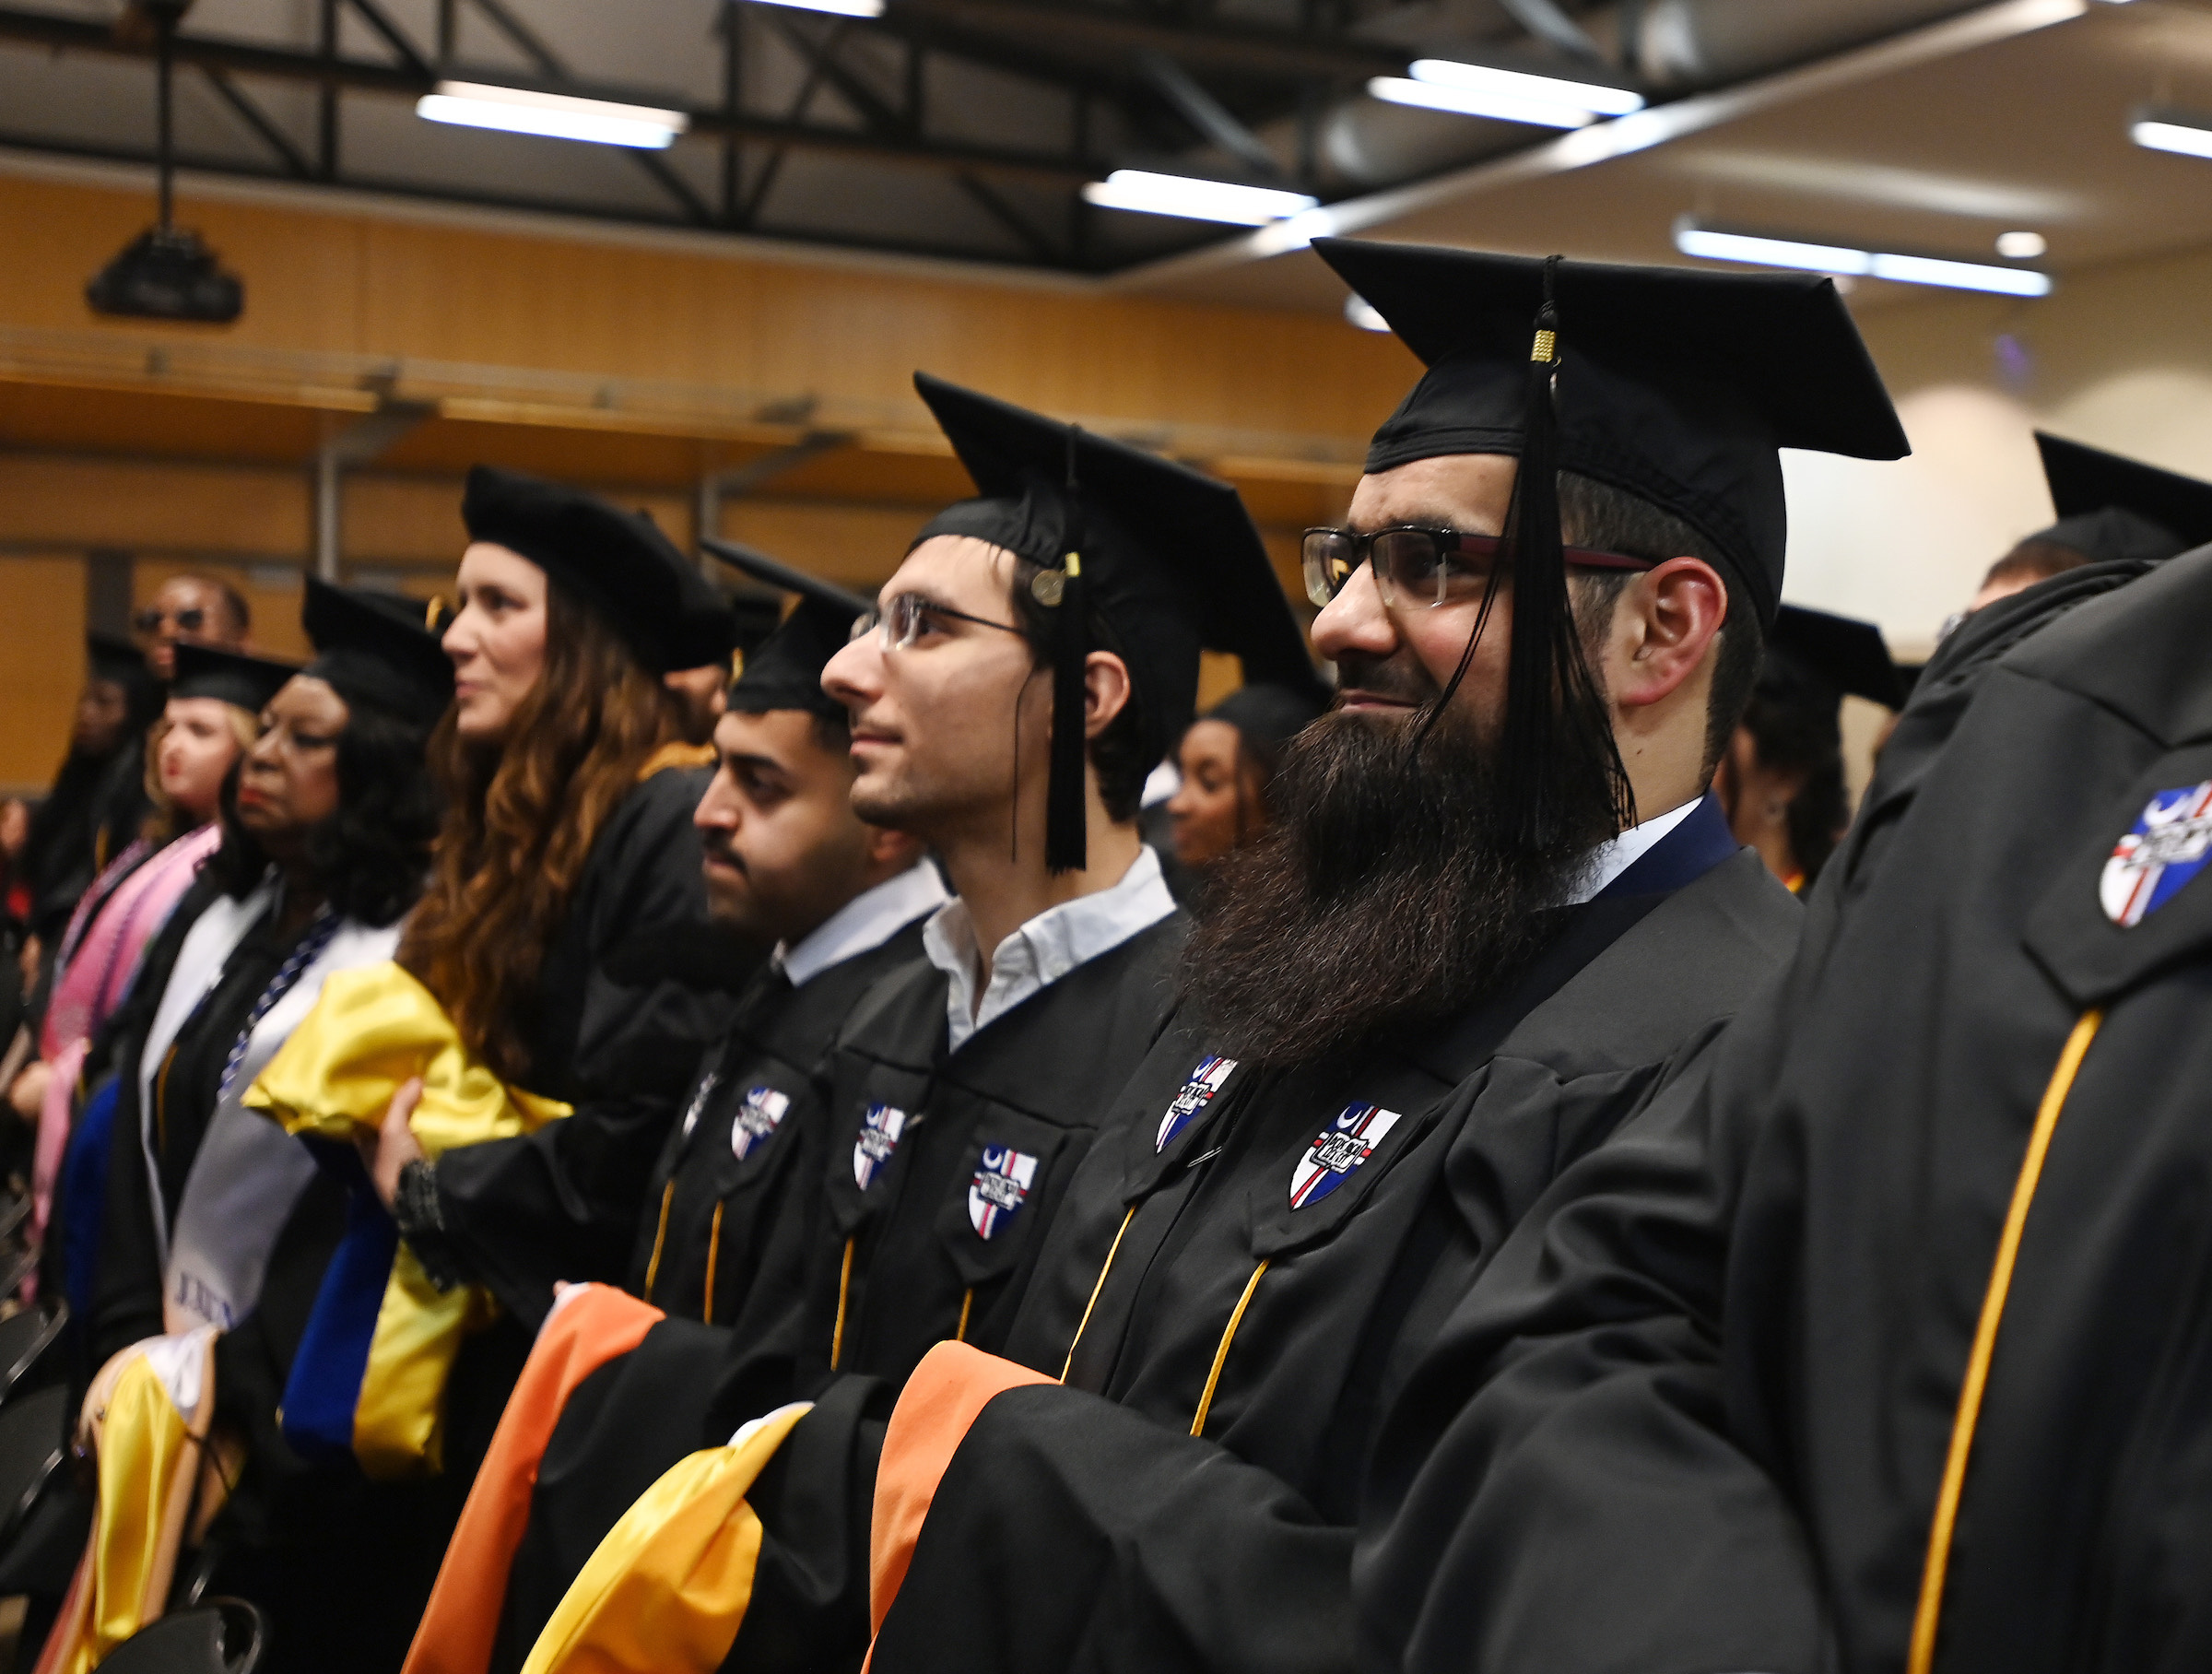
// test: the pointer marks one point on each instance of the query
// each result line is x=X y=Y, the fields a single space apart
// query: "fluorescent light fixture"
x=1960 y=275
x=2166 y=134
x=1478 y=90
x=1364 y=313
x=1592 y=96
x=1462 y=101
x=1718 y=246
x=1693 y=240
x=1197 y=200
x=557 y=116
x=2022 y=246
x=843 y=8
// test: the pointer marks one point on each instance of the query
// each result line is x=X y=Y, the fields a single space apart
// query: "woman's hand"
x=29 y=1093
x=394 y=1145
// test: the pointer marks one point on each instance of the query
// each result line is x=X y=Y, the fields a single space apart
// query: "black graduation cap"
x=1829 y=657
x=244 y=682
x=2111 y=507
x=114 y=659
x=708 y=630
x=785 y=670
x=1673 y=385
x=376 y=648
x=1166 y=558
x=1268 y=714
x=617 y=564
x=111 y=657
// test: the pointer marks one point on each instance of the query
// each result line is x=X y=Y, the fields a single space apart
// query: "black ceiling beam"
x=246 y=58
x=1285 y=54
x=393 y=36
x=294 y=160
x=38 y=143
x=656 y=168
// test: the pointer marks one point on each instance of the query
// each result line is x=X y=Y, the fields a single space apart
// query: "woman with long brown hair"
x=565 y=893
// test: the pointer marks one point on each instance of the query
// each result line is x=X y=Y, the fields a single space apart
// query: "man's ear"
x=1663 y=626
x=1106 y=691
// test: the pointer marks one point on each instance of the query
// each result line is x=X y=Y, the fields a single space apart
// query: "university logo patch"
x=2168 y=847
x=759 y=1114
x=1340 y=1148
x=1000 y=1187
x=1197 y=1094
x=879 y=1131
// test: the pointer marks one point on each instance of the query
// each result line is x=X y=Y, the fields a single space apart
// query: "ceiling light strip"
x=1715 y=244
x=1601 y=142
x=1194 y=199
x=471 y=104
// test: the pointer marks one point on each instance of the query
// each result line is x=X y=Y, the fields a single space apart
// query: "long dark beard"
x=1392 y=890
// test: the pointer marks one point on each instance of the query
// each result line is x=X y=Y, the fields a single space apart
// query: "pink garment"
x=93 y=983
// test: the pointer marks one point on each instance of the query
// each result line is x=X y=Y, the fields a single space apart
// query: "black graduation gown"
x=60 y=856
x=752 y=1133
x=1701 y=1422
x=1188 y=1499
x=619 y=1045
x=868 y=1277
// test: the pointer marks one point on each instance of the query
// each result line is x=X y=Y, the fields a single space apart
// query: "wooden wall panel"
x=58 y=500
x=41 y=665
x=329 y=279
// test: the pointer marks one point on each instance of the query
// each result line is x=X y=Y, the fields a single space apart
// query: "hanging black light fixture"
x=166 y=273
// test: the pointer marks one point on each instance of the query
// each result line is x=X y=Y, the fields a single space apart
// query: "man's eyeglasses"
x=1422 y=566
x=900 y=622
x=189 y=620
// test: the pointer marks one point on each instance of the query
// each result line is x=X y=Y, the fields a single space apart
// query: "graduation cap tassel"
x=1548 y=677
x=1066 y=847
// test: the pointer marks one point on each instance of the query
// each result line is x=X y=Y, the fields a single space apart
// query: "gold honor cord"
x=844 y=1287
x=660 y=1237
x=959 y=1334
x=1928 y=1616
x=1112 y=1250
x=1205 y=1401
x=713 y=1260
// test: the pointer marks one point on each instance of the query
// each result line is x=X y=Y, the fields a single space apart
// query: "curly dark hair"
x=520 y=823
x=371 y=857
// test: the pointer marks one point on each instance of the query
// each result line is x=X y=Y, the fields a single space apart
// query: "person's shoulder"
x=900 y=1016
x=656 y=810
x=1697 y=957
x=2136 y=648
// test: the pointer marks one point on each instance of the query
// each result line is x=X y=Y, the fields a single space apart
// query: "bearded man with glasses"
x=1499 y=909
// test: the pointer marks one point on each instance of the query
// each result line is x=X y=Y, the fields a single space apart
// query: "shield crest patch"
x=2168 y=846
x=880 y=1127
x=1338 y=1151
x=1197 y=1094
x=759 y=1114
x=1000 y=1187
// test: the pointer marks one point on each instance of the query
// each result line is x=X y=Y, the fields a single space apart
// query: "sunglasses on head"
x=1416 y=565
x=189 y=620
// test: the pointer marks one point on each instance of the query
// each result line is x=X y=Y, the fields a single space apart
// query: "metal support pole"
x=165 y=67
x=706 y=518
x=327 y=511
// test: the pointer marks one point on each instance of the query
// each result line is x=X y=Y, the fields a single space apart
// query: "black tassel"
x=1548 y=683
x=1067 y=821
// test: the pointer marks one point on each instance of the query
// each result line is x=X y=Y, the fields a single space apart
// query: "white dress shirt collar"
x=1044 y=950
x=865 y=923
x=1609 y=860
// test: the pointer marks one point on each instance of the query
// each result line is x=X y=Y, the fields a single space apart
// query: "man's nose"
x=1356 y=621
